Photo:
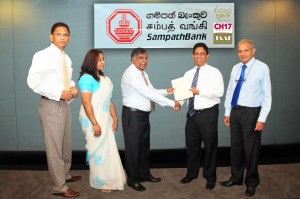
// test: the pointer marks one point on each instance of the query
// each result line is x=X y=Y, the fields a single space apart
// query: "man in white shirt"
x=202 y=117
x=138 y=99
x=50 y=76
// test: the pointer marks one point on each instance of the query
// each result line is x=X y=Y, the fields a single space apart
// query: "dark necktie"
x=191 y=110
x=238 y=87
x=152 y=104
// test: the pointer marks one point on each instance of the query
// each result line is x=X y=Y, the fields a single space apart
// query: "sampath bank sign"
x=171 y=25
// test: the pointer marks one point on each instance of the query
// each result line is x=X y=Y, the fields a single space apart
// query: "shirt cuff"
x=262 y=118
x=227 y=112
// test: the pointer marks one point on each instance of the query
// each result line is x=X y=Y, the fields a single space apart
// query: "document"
x=181 y=89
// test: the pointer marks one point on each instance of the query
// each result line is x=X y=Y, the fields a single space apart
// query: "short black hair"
x=137 y=51
x=203 y=45
x=57 y=24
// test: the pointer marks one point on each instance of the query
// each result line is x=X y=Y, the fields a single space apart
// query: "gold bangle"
x=94 y=123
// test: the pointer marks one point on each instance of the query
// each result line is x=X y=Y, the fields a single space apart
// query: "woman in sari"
x=99 y=121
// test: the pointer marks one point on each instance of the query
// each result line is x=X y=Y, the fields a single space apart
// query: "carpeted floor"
x=278 y=181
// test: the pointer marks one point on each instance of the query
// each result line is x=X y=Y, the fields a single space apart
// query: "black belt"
x=206 y=109
x=135 y=110
x=46 y=98
x=244 y=107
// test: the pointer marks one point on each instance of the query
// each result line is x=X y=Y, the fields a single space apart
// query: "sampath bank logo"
x=123 y=26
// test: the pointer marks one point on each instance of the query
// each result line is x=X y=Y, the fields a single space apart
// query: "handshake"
x=177 y=105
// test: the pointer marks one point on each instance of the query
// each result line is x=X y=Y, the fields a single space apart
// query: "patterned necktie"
x=152 y=104
x=65 y=73
x=191 y=110
x=238 y=87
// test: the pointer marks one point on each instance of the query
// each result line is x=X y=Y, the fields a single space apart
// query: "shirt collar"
x=55 y=49
x=202 y=67
x=250 y=63
x=136 y=69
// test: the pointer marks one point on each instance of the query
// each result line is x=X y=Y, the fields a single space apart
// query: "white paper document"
x=181 y=88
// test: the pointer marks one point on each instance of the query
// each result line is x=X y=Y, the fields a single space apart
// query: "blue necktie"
x=238 y=87
x=191 y=110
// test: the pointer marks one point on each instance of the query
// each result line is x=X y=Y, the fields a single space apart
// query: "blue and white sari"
x=106 y=171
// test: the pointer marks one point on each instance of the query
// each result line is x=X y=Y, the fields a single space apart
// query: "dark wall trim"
x=169 y=158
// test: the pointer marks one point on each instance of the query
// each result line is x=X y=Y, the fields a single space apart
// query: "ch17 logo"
x=222 y=26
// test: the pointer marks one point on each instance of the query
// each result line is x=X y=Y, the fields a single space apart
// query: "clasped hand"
x=68 y=95
x=177 y=106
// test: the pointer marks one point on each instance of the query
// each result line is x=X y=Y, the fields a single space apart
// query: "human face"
x=60 y=37
x=101 y=62
x=140 y=61
x=200 y=56
x=245 y=52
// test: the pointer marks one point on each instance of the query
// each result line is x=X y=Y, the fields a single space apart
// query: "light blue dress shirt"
x=256 y=89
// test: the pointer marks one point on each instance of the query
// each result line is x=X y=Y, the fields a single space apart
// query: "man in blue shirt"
x=247 y=105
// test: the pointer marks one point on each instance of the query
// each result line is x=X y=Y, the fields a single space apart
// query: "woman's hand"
x=97 y=130
x=115 y=125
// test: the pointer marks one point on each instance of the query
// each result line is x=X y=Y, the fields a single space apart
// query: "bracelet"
x=94 y=123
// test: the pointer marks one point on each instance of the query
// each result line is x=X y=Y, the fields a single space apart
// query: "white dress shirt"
x=136 y=94
x=210 y=85
x=256 y=89
x=45 y=75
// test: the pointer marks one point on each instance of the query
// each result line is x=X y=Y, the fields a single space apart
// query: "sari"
x=106 y=170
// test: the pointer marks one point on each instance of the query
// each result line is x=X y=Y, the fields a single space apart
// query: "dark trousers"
x=136 y=130
x=202 y=127
x=245 y=145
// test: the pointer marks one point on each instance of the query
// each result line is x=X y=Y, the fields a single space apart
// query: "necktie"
x=65 y=72
x=152 y=104
x=238 y=87
x=191 y=110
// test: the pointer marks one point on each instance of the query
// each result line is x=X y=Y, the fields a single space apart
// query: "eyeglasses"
x=240 y=80
x=61 y=35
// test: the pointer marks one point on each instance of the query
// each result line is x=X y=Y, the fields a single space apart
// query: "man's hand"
x=227 y=121
x=170 y=91
x=66 y=95
x=194 y=91
x=177 y=106
x=74 y=91
x=259 y=126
